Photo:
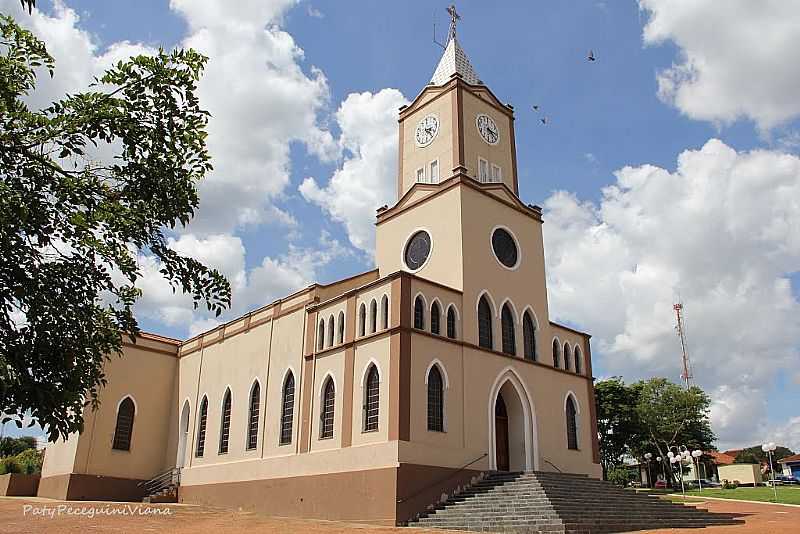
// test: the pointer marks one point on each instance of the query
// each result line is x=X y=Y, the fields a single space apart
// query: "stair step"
x=550 y=503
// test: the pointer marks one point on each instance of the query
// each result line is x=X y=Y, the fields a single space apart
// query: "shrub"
x=30 y=461
x=620 y=476
x=727 y=484
x=9 y=465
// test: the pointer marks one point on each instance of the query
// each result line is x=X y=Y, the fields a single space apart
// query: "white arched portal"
x=183 y=435
x=522 y=436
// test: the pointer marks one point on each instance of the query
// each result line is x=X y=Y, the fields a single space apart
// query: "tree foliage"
x=755 y=455
x=655 y=416
x=13 y=446
x=73 y=221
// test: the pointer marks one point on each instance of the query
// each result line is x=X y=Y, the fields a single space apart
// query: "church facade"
x=369 y=398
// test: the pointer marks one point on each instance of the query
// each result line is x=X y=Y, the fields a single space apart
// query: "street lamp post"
x=696 y=454
x=647 y=457
x=769 y=448
x=676 y=459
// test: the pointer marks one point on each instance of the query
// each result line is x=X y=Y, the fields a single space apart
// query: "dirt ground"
x=33 y=516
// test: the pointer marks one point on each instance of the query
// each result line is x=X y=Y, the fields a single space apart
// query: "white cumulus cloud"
x=737 y=58
x=720 y=233
x=366 y=179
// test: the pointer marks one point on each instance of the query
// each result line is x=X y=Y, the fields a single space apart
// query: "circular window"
x=505 y=248
x=417 y=250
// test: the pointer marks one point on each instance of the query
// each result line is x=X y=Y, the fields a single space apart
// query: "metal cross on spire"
x=454 y=18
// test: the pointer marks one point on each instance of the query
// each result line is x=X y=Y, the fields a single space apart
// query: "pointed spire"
x=454 y=60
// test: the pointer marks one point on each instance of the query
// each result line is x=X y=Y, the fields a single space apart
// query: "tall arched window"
x=451 y=322
x=327 y=412
x=572 y=424
x=123 y=432
x=321 y=334
x=340 y=333
x=435 y=400
x=201 y=428
x=509 y=337
x=578 y=365
x=419 y=313
x=373 y=316
x=371 y=399
x=556 y=354
x=484 y=323
x=529 y=337
x=362 y=320
x=385 y=312
x=435 y=318
x=331 y=329
x=567 y=357
x=225 y=423
x=287 y=409
x=252 y=416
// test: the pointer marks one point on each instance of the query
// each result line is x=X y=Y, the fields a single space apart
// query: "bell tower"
x=456 y=124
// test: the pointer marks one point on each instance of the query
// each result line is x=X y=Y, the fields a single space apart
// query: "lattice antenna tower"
x=686 y=373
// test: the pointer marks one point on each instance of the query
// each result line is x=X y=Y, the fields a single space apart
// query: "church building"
x=369 y=398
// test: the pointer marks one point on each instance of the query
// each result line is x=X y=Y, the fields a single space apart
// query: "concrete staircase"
x=560 y=503
x=162 y=488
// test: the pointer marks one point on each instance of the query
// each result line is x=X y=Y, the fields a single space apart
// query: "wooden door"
x=501 y=434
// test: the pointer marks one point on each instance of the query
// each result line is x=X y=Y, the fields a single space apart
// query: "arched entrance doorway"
x=183 y=435
x=512 y=425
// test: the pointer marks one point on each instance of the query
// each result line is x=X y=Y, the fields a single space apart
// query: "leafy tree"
x=72 y=225
x=30 y=461
x=617 y=423
x=14 y=446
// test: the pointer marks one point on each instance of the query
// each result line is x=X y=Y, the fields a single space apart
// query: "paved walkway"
x=39 y=516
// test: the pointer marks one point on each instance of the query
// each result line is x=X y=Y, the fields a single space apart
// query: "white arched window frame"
x=571 y=395
x=436 y=362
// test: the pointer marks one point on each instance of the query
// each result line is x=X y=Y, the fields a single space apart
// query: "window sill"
x=121 y=450
x=324 y=438
x=369 y=431
x=251 y=448
x=222 y=453
x=437 y=431
x=284 y=444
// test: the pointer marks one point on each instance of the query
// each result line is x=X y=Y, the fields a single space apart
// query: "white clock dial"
x=427 y=129
x=487 y=128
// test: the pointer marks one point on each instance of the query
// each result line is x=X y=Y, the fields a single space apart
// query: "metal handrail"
x=451 y=475
x=552 y=465
x=162 y=480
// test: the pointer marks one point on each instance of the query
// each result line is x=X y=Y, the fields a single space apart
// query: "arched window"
x=331 y=329
x=252 y=417
x=567 y=357
x=371 y=399
x=435 y=318
x=572 y=424
x=123 y=432
x=225 y=423
x=556 y=354
x=373 y=316
x=419 y=313
x=385 y=312
x=451 y=322
x=578 y=366
x=287 y=410
x=509 y=337
x=484 y=323
x=340 y=334
x=529 y=337
x=327 y=412
x=321 y=334
x=435 y=400
x=362 y=320
x=201 y=428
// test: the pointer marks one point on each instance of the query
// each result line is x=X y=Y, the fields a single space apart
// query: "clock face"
x=427 y=129
x=488 y=129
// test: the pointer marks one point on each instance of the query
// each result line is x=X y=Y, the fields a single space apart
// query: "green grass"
x=786 y=494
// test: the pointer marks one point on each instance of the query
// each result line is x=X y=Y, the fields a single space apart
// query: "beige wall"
x=60 y=456
x=440 y=149
x=441 y=218
x=474 y=146
x=744 y=473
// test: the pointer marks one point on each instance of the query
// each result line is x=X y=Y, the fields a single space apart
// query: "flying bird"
x=544 y=120
x=535 y=108
x=591 y=56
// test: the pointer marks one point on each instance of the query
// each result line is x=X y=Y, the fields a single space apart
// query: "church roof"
x=453 y=61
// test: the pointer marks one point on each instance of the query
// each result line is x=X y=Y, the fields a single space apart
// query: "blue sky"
x=618 y=112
